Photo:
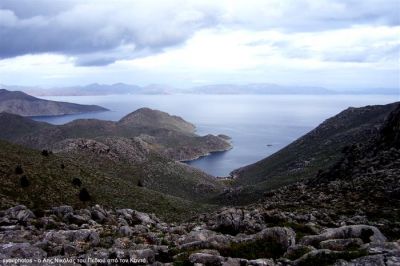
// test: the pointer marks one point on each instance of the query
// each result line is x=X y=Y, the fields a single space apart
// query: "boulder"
x=19 y=213
x=296 y=251
x=143 y=254
x=125 y=230
x=142 y=218
x=98 y=214
x=75 y=219
x=134 y=217
x=315 y=257
x=284 y=236
x=204 y=239
x=206 y=259
x=86 y=235
x=62 y=210
x=365 y=232
x=341 y=244
x=66 y=236
x=21 y=250
x=234 y=220
x=384 y=248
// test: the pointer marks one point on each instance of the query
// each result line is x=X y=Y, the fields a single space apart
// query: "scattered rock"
x=128 y=234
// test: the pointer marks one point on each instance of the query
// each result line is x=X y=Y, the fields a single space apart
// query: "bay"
x=259 y=125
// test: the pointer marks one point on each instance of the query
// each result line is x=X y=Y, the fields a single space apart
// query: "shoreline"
x=205 y=155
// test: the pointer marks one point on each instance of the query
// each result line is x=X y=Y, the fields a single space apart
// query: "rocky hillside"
x=168 y=135
x=318 y=149
x=113 y=172
x=347 y=215
x=134 y=160
x=20 y=103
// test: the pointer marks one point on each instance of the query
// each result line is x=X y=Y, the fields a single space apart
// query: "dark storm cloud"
x=101 y=32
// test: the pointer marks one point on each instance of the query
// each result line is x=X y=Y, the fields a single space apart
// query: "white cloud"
x=186 y=41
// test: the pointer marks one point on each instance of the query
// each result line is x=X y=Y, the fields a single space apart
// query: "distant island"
x=214 y=89
x=20 y=103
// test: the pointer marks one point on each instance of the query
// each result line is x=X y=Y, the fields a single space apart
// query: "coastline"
x=206 y=154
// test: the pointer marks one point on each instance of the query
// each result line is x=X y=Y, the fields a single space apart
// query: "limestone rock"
x=20 y=250
x=365 y=232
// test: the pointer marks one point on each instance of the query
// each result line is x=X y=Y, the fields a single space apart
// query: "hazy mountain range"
x=256 y=88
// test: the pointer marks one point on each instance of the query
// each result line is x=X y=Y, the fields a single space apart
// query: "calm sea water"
x=259 y=125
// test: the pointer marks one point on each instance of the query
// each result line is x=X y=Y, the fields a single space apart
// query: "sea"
x=259 y=125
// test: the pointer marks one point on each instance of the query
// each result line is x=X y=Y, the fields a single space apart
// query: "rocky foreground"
x=230 y=237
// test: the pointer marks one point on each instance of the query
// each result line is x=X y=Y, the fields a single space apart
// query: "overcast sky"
x=330 y=43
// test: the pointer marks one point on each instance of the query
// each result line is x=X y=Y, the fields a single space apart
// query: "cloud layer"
x=101 y=32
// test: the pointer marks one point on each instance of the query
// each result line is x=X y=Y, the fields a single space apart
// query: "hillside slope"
x=114 y=155
x=135 y=161
x=20 y=103
x=44 y=180
x=316 y=150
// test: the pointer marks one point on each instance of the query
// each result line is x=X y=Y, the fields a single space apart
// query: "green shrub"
x=18 y=170
x=84 y=195
x=24 y=182
x=76 y=182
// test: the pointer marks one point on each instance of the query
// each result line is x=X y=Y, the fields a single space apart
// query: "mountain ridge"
x=20 y=103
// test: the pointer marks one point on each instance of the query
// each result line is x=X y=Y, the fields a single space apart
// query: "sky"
x=339 y=44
